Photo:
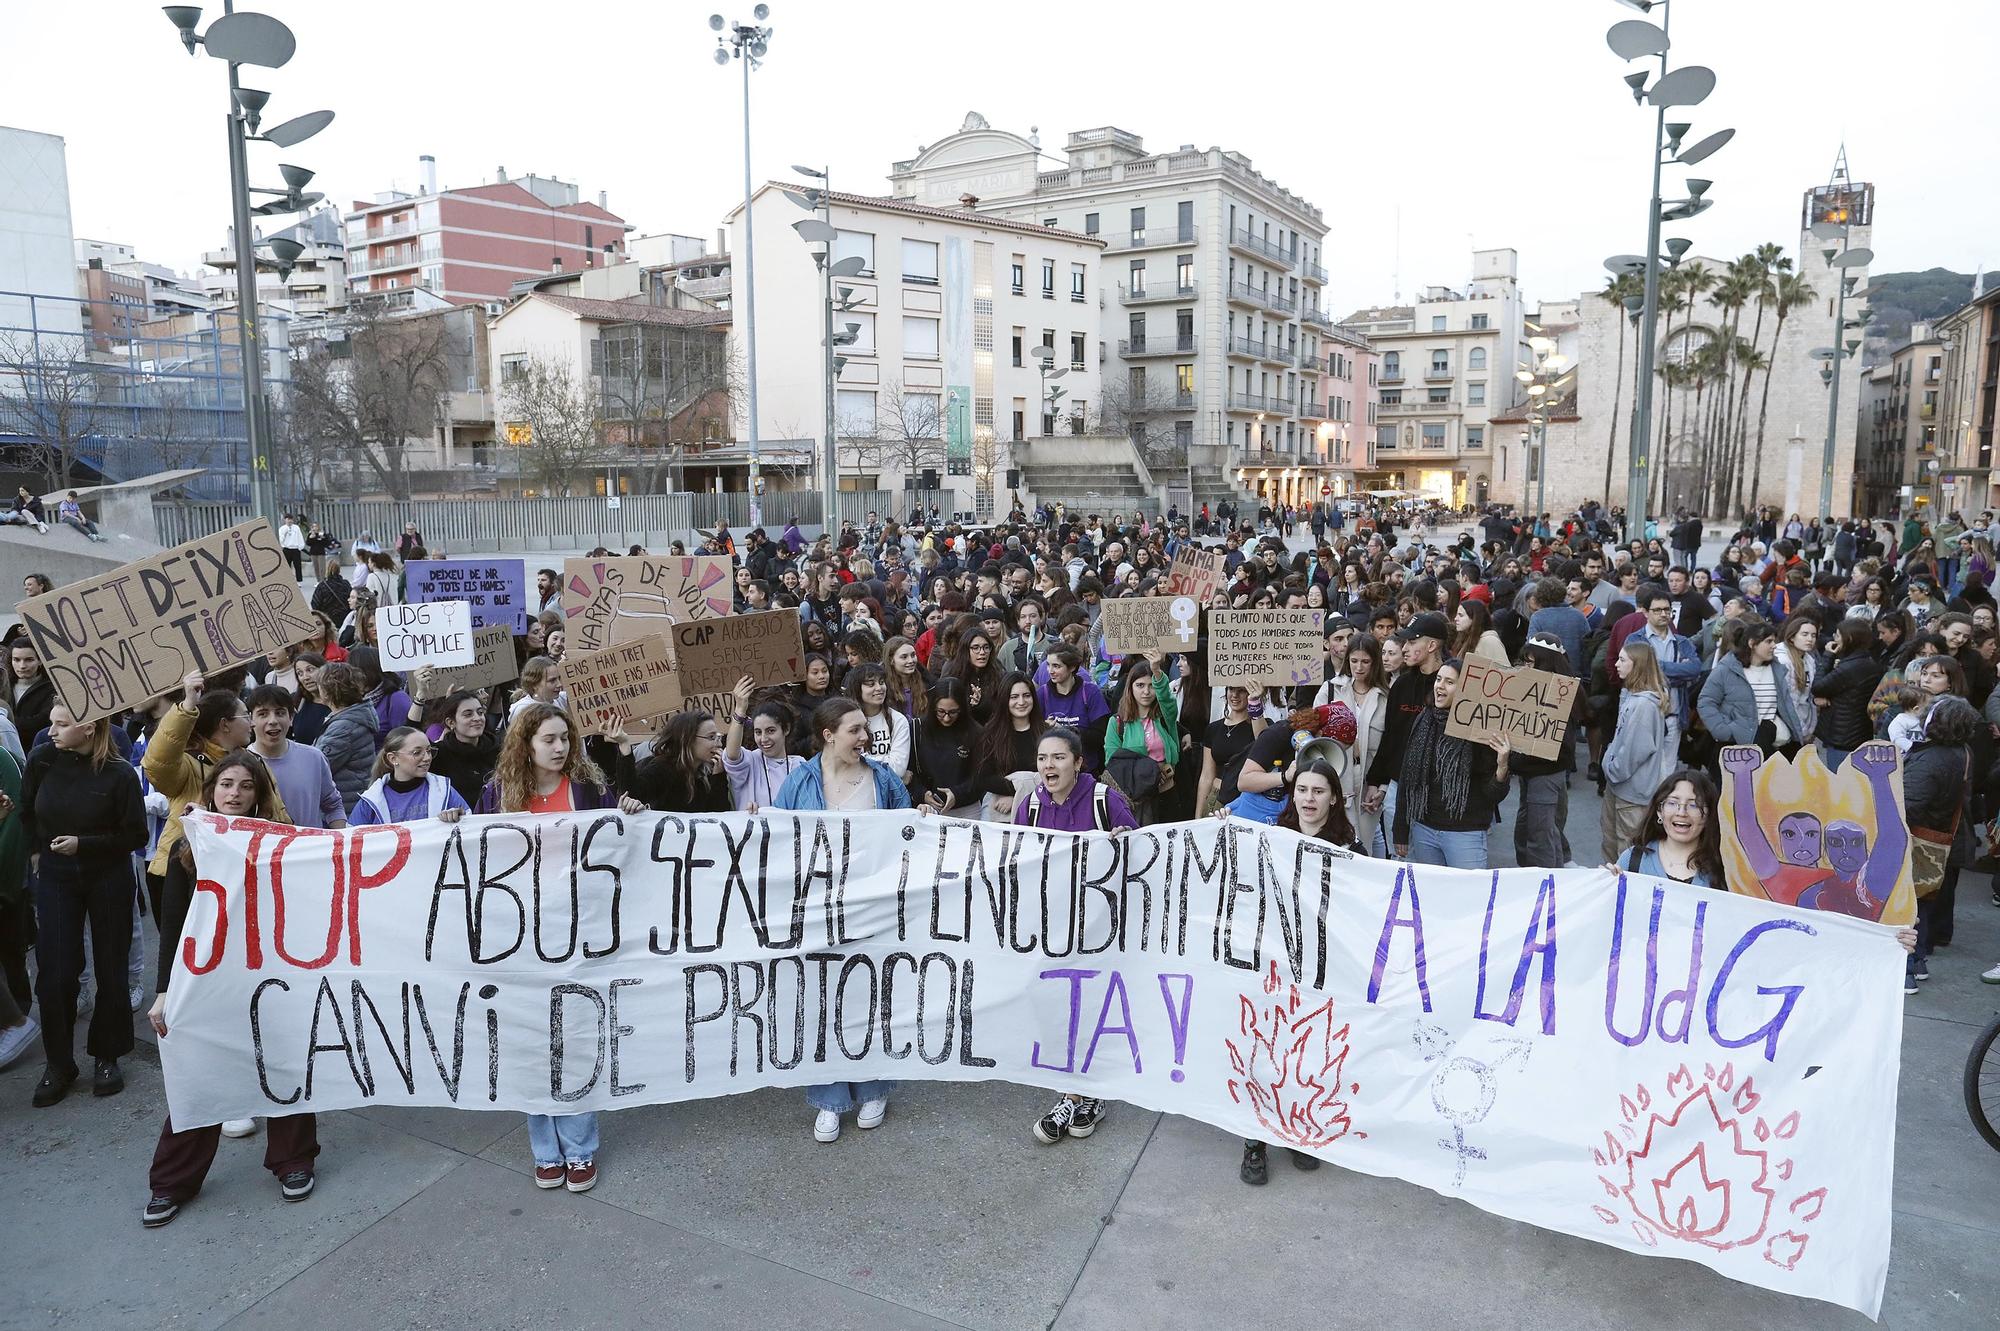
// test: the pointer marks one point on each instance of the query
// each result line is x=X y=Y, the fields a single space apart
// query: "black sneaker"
x=1302 y=1162
x=1050 y=1127
x=1084 y=1117
x=297 y=1185
x=53 y=1086
x=159 y=1211
x=107 y=1080
x=1255 y=1170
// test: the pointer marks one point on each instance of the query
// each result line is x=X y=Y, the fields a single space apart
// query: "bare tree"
x=565 y=434
x=366 y=398
x=1143 y=409
x=906 y=435
x=49 y=394
x=655 y=384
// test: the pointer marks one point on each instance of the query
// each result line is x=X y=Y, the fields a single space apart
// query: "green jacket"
x=13 y=840
x=1131 y=735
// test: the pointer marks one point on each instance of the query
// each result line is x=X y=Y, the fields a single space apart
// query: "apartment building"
x=471 y=244
x=948 y=309
x=1212 y=281
x=1896 y=456
x=1346 y=439
x=1444 y=367
x=317 y=284
x=1969 y=405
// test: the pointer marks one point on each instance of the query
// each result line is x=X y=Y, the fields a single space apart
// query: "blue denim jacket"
x=805 y=788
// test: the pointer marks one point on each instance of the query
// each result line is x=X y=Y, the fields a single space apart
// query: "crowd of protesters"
x=963 y=672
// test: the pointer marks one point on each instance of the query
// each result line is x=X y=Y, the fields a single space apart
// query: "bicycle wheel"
x=1982 y=1085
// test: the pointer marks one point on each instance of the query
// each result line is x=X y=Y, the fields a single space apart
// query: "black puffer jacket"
x=1844 y=722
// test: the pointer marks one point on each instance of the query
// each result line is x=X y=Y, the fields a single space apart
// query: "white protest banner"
x=437 y=634
x=1257 y=648
x=1676 y=1071
x=1194 y=572
x=118 y=639
x=1530 y=707
x=496 y=589
x=1133 y=624
x=493 y=664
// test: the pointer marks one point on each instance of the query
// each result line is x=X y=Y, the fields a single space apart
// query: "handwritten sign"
x=1195 y=572
x=121 y=638
x=493 y=664
x=1530 y=707
x=1265 y=648
x=630 y=682
x=712 y=654
x=496 y=589
x=1134 y=624
x=609 y=601
x=419 y=635
x=1399 y=1020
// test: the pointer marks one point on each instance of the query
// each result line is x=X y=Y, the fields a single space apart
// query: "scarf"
x=1447 y=776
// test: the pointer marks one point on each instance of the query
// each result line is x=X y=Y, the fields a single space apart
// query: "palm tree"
x=1792 y=291
x=1731 y=294
x=1616 y=292
x=1769 y=260
x=1694 y=280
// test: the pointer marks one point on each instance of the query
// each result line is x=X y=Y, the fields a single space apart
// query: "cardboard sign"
x=712 y=654
x=1530 y=707
x=1133 y=624
x=1256 y=649
x=629 y=682
x=1800 y=835
x=496 y=589
x=493 y=664
x=1195 y=572
x=609 y=601
x=127 y=636
x=438 y=634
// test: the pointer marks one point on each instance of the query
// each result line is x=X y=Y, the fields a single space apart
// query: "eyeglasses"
x=1682 y=806
x=712 y=736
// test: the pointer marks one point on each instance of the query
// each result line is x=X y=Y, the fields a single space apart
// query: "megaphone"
x=1329 y=751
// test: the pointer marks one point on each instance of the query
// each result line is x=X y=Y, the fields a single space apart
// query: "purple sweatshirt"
x=1078 y=812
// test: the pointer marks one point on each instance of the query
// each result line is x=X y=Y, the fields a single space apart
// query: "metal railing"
x=1151 y=238
x=1389 y=376
x=1156 y=346
x=1318 y=318
x=1150 y=294
x=1244 y=346
x=1418 y=408
x=1244 y=240
x=1437 y=372
x=1312 y=272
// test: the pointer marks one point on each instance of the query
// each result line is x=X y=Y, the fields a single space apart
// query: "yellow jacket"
x=178 y=774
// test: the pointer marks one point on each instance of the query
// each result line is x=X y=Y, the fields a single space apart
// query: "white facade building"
x=1211 y=289
x=948 y=308
x=37 y=245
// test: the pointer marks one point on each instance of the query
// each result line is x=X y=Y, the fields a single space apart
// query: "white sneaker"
x=138 y=996
x=872 y=1113
x=826 y=1127
x=239 y=1127
x=85 y=999
x=17 y=1040
x=1992 y=976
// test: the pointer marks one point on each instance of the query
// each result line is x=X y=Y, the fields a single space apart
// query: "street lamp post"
x=1546 y=383
x=821 y=231
x=1846 y=257
x=747 y=42
x=259 y=40
x=1045 y=359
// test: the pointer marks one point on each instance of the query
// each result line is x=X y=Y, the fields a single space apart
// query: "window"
x=864 y=334
x=1076 y=351
x=851 y=244
x=1392 y=397
x=1481 y=321
x=1020 y=419
x=1184 y=379
x=1048 y=340
x=1019 y=276
x=514 y=367
x=1090 y=224
x=1392 y=365
x=1020 y=336
x=920 y=338
x=1184 y=326
x=1475 y=395
x=1437 y=323
x=1138 y=226
x=1136 y=275
x=1184 y=214
x=1475 y=359
x=854 y=414
x=1135 y=383
x=1048 y=279
x=1440 y=362
x=1433 y=435
x=1049 y=222
x=1184 y=272
x=923 y=415
x=1475 y=436
x=920 y=261
x=1076 y=271
x=1183 y=434
x=1438 y=395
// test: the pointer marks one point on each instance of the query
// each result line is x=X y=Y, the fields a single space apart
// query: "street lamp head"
x=1706 y=148
x=1636 y=37
x=1687 y=86
x=1043 y=352
x=251 y=102
x=852 y=266
x=808 y=199
x=761 y=12
x=814 y=231
x=1858 y=257
x=1637 y=83
x=722 y=55
x=1525 y=376
x=285 y=249
x=296 y=177
x=1678 y=246
x=1643 y=6
x=298 y=129
x=715 y=22
x=1634 y=304
x=758 y=48
x=809 y=171
x=250 y=39
x=1697 y=188
x=1676 y=131
x=185 y=17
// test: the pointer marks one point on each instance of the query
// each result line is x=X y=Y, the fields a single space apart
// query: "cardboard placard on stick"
x=496 y=589
x=630 y=682
x=435 y=634
x=1194 y=572
x=1798 y=834
x=1530 y=707
x=123 y=637
x=1133 y=624
x=493 y=664
x=609 y=601
x=1256 y=649
x=710 y=655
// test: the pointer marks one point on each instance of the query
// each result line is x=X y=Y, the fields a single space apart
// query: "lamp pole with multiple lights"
x=260 y=40
x=1687 y=86
x=748 y=43
x=1545 y=383
x=821 y=231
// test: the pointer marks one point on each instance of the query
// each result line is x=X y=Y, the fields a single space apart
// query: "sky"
x=1422 y=131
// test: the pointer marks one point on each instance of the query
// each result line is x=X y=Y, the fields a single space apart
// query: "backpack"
x=1100 y=809
x=330 y=597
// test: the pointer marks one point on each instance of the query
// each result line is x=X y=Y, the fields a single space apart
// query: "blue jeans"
x=1833 y=757
x=1385 y=848
x=1457 y=850
x=841 y=1096
x=562 y=1139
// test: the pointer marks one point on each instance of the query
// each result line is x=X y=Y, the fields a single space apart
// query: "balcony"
x=1151 y=295
x=1251 y=402
x=1175 y=401
x=1312 y=411
x=1250 y=243
x=1419 y=408
x=1133 y=347
x=1389 y=375
x=1152 y=238
x=1438 y=374
x=1318 y=318
x=1312 y=273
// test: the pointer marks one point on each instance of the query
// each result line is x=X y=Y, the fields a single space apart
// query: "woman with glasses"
x=1679 y=835
x=684 y=773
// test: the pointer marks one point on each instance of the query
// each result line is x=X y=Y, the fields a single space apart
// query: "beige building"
x=1969 y=405
x=1896 y=455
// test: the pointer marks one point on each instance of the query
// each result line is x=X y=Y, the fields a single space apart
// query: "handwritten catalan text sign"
x=496 y=589
x=1672 y=1071
x=1150 y=624
x=437 y=634
x=1263 y=648
x=712 y=654
x=629 y=682
x=609 y=601
x=1530 y=707
x=1795 y=833
x=1194 y=572
x=118 y=639
x=493 y=664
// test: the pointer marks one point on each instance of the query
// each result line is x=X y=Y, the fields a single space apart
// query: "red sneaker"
x=550 y=1176
x=583 y=1177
